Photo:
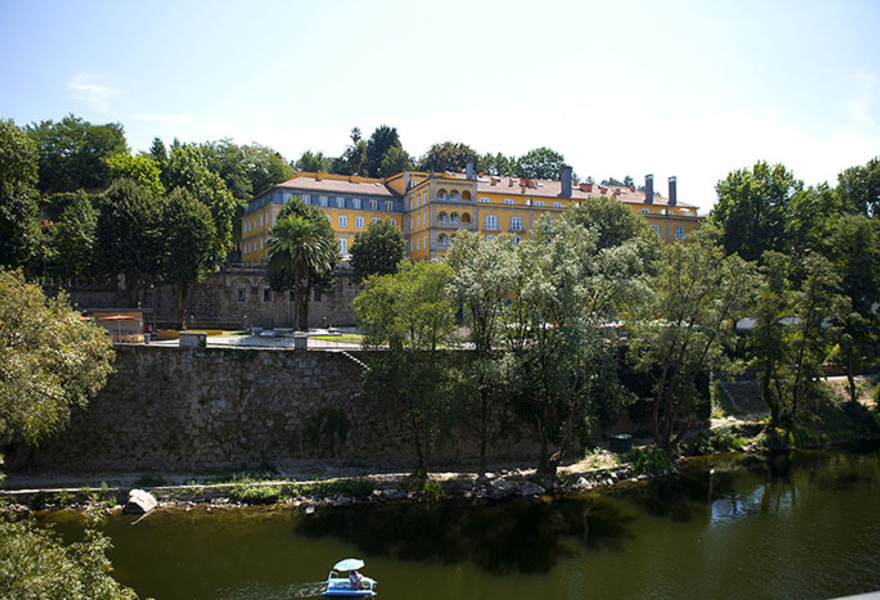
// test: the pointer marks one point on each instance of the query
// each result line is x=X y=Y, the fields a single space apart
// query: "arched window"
x=453 y=195
x=465 y=195
x=443 y=217
x=465 y=218
x=453 y=218
x=443 y=239
x=441 y=194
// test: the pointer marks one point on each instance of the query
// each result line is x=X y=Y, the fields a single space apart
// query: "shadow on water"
x=256 y=590
x=516 y=536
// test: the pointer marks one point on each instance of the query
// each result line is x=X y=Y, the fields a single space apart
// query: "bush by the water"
x=651 y=461
x=244 y=493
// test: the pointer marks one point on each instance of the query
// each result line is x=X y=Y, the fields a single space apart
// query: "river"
x=800 y=526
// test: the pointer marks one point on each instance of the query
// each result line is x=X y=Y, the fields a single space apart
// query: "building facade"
x=431 y=207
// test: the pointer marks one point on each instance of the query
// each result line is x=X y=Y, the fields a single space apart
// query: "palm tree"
x=299 y=253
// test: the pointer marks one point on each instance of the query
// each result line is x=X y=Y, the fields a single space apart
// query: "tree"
x=187 y=231
x=354 y=159
x=383 y=140
x=563 y=358
x=19 y=226
x=681 y=334
x=854 y=248
x=628 y=181
x=35 y=564
x=497 y=164
x=128 y=237
x=540 y=163
x=188 y=169
x=73 y=153
x=246 y=170
x=753 y=208
x=50 y=360
x=312 y=162
x=482 y=283
x=613 y=222
x=859 y=188
x=141 y=169
x=75 y=238
x=299 y=253
x=409 y=315
x=377 y=251
x=396 y=160
x=448 y=156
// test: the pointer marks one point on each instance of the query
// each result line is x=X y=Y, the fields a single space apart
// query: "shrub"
x=255 y=494
x=651 y=461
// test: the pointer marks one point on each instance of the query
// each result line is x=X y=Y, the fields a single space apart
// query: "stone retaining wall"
x=170 y=408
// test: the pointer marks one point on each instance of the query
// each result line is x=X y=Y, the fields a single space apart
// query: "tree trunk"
x=850 y=375
x=182 y=293
x=484 y=430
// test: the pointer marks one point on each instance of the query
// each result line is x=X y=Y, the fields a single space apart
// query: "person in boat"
x=355 y=580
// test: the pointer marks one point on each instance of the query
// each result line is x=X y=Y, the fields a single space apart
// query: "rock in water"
x=140 y=502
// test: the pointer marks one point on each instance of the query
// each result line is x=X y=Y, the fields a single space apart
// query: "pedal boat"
x=339 y=586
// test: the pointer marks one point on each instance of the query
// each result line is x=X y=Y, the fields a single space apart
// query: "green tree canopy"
x=540 y=163
x=448 y=156
x=383 y=140
x=35 y=564
x=128 y=236
x=188 y=169
x=142 y=169
x=187 y=233
x=73 y=153
x=412 y=313
x=19 y=227
x=859 y=188
x=378 y=250
x=75 y=239
x=753 y=208
x=50 y=360
x=683 y=331
x=312 y=162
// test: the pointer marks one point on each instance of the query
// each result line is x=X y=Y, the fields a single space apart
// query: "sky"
x=692 y=89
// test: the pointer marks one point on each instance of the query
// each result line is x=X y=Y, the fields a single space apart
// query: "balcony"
x=516 y=229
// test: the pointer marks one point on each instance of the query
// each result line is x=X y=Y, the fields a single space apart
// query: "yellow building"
x=431 y=207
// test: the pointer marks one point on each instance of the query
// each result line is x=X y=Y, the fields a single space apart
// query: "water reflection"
x=526 y=537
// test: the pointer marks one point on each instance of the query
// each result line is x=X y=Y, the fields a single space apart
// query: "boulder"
x=501 y=488
x=140 y=502
x=528 y=488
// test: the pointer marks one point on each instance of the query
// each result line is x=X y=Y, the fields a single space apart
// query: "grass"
x=351 y=338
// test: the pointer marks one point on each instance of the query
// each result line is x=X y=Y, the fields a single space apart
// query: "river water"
x=802 y=526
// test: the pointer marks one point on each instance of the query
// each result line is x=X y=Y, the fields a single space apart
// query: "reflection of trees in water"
x=512 y=536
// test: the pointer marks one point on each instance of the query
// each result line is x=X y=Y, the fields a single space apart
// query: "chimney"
x=470 y=168
x=673 y=196
x=649 y=189
x=565 y=178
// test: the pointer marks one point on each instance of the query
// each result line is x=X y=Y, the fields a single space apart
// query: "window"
x=656 y=229
x=356 y=203
x=307 y=199
x=540 y=203
x=359 y=222
x=287 y=196
x=491 y=223
x=340 y=202
x=557 y=205
x=418 y=244
x=509 y=201
x=343 y=246
x=342 y=221
x=646 y=211
x=241 y=294
x=517 y=240
x=484 y=200
x=516 y=224
x=391 y=220
x=375 y=219
x=679 y=232
x=418 y=221
x=267 y=294
x=374 y=205
x=389 y=206
x=322 y=200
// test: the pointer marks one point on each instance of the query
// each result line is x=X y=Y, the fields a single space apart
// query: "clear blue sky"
x=692 y=89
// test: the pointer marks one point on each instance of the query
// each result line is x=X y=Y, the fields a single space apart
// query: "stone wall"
x=232 y=298
x=170 y=408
